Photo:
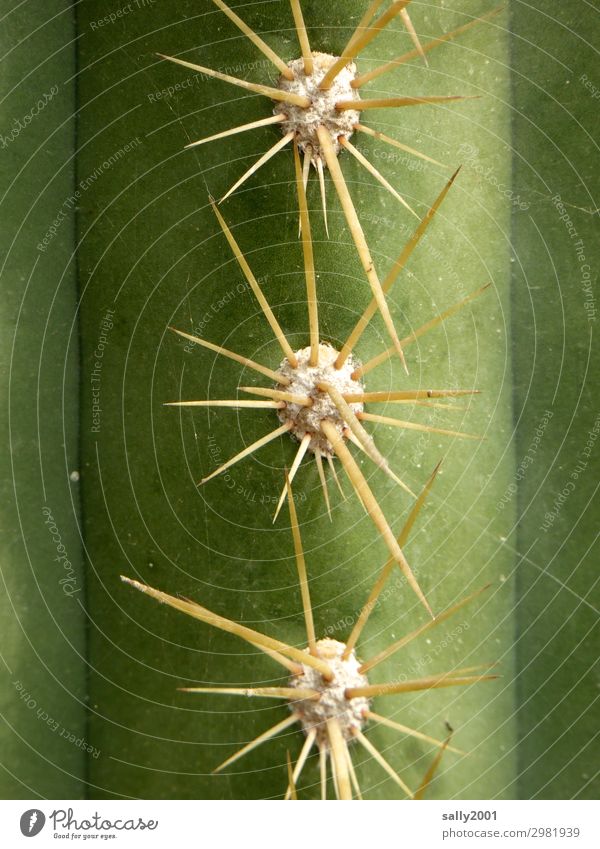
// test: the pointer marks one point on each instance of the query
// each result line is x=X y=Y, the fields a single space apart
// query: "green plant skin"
x=152 y=251
x=42 y=695
x=555 y=369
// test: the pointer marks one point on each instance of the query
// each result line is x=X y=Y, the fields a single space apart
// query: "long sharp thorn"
x=376 y=755
x=291 y=783
x=404 y=641
x=417 y=507
x=334 y=778
x=291 y=693
x=418 y=233
x=429 y=45
x=387 y=470
x=253 y=125
x=294 y=668
x=259 y=163
x=321 y=471
x=353 y=778
x=425 y=328
x=321 y=176
x=255 y=638
x=218 y=349
x=302 y=37
x=333 y=471
x=358 y=236
x=250 y=449
x=397 y=102
x=256 y=40
x=433 y=768
x=404 y=729
x=432 y=405
x=394 y=272
x=385 y=572
x=361 y=128
x=407 y=395
x=430 y=683
x=254 y=285
x=262 y=738
x=309 y=263
x=478 y=667
x=360 y=40
x=439 y=319
x=366 y=19
x=302 y=448
x=365 y=439
x=306 y=165
x=413 y=34
x=323 y=772
x=377 y=174
x=302 y=574
x=265 y=90
x=338 y=748
x=355 y=441
x=351 y=438
x=375 y=511
x=305 y=752
x=387 y=420
x=305 y=172
x=278 y=395
x=233 y=404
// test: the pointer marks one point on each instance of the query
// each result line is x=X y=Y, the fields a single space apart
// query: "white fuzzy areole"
x=322 y=111
x=333 y=704
x=304 y=380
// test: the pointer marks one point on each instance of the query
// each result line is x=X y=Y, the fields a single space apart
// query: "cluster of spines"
x=328 y=734
x=277 y=398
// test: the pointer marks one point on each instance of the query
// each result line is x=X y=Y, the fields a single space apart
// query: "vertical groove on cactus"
x=44 y=743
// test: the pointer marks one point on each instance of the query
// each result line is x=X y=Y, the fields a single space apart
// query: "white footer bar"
x=261 y=825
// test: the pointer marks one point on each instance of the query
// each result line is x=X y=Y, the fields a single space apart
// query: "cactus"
x=216 y=544
x=152 y=256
